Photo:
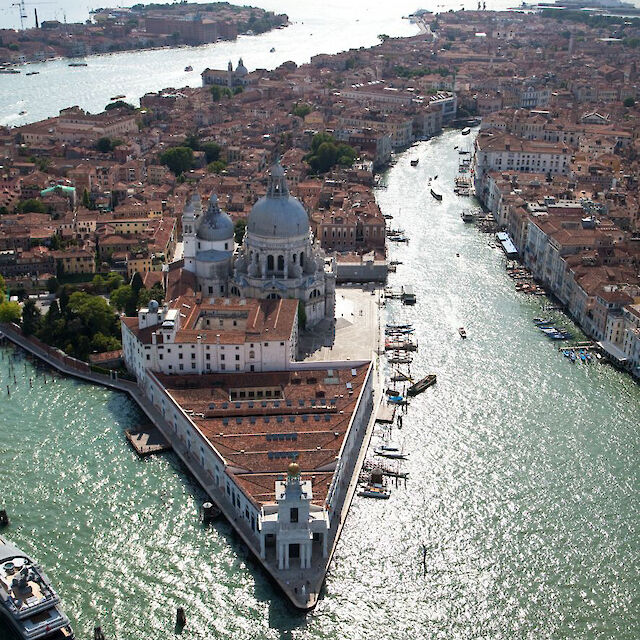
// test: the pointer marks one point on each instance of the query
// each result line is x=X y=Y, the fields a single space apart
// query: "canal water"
x=519 y=519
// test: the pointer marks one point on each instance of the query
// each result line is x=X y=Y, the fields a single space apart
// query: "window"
x=181 y=367
x=222 y=356
x=179 y=356
x=237 y=357
x=293 y=516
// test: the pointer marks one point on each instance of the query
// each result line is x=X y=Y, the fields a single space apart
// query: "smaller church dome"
x=215 y=225
x=241 y=70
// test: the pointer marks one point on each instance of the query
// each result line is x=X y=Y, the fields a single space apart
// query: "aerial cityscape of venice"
x=320 y=320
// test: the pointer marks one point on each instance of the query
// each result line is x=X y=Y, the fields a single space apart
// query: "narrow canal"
x=523 y=489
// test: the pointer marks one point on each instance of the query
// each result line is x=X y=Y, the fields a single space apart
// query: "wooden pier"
x=147 y=441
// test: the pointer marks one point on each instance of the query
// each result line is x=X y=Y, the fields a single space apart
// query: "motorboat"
x=32 y=73
x=27 y=600
x=467 y=216
x=466 y=131
x=372 y=490
x=188 y=68
x=272 y=50
x=437 y=196
x=462 y=332
x=414 y=162
x=120 y=97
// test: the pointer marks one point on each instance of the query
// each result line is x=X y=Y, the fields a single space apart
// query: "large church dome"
x=278 y=214
x=215 y=224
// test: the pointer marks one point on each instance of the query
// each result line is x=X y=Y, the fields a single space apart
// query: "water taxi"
x=27 y=599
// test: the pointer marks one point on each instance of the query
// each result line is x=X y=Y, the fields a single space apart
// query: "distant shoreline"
x=99 y=54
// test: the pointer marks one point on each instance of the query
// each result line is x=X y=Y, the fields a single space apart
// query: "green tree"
x=103 y=145
x=178 y=159
x=31 y=317
x=94 y=312
x=629 y=102
x=32 y=205
x=216 y=93
x=237 y=90
x=211 y=151
x=119 y=104
x=326 y=153
x=238 y=229
x=3 y=288
x=120 y=297
x=136 y=284
x=301 y=109
x=10 y=312
x=146 y=295
x=217 y=166
x=114 y=280
x=86 y=200
x=101 y=343
x=52 y=284
x=192 y=141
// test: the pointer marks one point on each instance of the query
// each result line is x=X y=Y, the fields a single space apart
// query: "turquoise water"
x=523 y=482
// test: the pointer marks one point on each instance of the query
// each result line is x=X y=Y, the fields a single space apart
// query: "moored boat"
x=375 y=491
x=421 y=385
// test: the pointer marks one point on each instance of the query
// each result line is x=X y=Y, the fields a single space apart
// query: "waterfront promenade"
x=302 y=588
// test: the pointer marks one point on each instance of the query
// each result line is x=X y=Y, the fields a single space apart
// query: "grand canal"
x=523 y=489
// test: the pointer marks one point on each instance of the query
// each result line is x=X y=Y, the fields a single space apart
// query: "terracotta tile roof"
x=259 y=437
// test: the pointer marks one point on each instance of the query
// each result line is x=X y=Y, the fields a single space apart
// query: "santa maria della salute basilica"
x=278 y=257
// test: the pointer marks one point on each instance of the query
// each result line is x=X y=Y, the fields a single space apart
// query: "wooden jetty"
x=386 y=413
x=147 y=440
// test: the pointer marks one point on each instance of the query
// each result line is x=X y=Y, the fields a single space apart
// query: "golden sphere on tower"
x=294 y=469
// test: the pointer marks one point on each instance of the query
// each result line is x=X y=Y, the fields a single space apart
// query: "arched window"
x=280 y=263
x=269 y=263
x=273 y=296
x=295 y=258
x=235 y=291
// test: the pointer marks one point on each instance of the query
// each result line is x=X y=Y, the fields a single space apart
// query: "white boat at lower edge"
x=27 y=600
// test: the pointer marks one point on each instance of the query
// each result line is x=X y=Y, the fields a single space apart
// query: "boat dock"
x=147 y=441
